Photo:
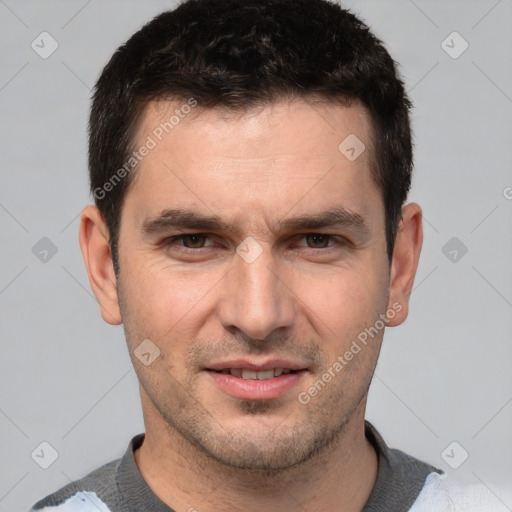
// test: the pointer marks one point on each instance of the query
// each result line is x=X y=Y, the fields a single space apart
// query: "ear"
x=406 y=254
x=94 y=242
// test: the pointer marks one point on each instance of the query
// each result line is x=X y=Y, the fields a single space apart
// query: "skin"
x=304 y=298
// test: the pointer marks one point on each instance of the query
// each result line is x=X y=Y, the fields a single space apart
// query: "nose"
x=255 y=298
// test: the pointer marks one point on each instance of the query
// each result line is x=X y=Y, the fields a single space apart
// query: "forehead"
x=302 y=126
x=262 y=159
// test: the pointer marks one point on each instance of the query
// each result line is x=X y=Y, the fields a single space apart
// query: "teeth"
x=252 y=375
x=269 y=374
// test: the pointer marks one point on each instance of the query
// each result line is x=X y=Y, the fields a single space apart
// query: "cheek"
x=164 y=299
x=341 y=303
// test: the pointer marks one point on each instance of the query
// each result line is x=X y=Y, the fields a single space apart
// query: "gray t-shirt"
x=119 y=487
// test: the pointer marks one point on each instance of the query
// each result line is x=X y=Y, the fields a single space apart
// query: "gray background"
x=444 y=376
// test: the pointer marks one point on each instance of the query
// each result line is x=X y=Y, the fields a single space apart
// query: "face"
x=252 y=255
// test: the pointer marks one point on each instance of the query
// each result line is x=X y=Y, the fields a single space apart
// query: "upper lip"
x=256 y=366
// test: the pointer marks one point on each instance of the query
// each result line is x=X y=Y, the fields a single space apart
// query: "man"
x=250 y=162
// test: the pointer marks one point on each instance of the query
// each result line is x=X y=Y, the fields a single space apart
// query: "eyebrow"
x=339 y=217
x=189 y=219
x=186 y=219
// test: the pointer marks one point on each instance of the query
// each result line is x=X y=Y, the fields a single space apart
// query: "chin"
x=273 y=449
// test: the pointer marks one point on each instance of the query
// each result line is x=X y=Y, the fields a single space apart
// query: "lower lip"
x=249 y=389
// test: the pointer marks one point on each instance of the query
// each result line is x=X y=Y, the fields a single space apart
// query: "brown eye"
x=316 y=241
x=193 y=241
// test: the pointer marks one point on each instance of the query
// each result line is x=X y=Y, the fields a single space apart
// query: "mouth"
x=246 y=374
x=256 y=381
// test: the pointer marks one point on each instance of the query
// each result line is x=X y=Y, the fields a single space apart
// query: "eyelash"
x=337 y=241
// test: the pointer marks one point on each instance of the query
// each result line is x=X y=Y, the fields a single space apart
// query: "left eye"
x=318 y=241
x=195 y=241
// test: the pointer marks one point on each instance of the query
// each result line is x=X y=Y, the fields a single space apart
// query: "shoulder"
x=409 y=484
x=103 y=490
x=87 y=494
x=400 y=478
x=445 y=494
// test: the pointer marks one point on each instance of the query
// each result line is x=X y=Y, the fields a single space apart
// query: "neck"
x=185 y=478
